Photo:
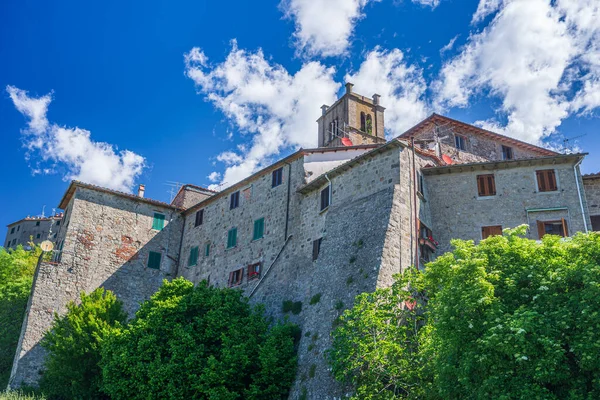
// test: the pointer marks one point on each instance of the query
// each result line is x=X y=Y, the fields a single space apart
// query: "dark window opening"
x=234 y=200
x=595 y=222
x=507 y=153
x=546 y=180
x=154 y=260
x=325 y=200
x=316 y=248
x=421 y=183
x=460 y=142
x=37 y=223
x=558 y=227
x=235 y=277
x=277 y=177
x=486 y=185
x=199 y=217
x=254 y=271
x=363 y=122
x=487 y=231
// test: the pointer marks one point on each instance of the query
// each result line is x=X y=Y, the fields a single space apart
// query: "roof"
x=195 y=188
x=502 y=164
x=75 y=184
x=341 y=148
x=595 y=175
x=433 y=118
x=36 y=219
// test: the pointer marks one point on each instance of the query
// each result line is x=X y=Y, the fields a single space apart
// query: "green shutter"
x=232 y=238
x=159 y=221
x=259 y=229
x=207 y=250
x=193 y=260
x=154 y=260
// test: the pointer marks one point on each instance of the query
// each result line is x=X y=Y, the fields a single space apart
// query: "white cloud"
x=450 y=45
x=430 y=3
x=324 y=27
x=531 y=56
x=276 y=109
x=214 y=176
x=72 y=148
x=401 y=86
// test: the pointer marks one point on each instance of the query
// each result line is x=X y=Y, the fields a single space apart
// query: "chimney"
x=324 y=108
x=349 y=87
x=141 y=190
x=376 y=99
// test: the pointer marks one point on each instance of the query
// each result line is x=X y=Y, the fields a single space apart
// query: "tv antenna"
x=174 y=188
x=567 y=140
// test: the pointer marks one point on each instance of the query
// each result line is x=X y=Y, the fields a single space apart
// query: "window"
x=460 y=142
x=199 y=217
x=207 y=250
x=158 y=223
x=57 y=223
x=487 y=231
x=14 y=242
x=316 y=248
x=232 y=238
x=325 y=198
x=37 y=223
x=427 y=245
x=234 y=200
x=235 y=277
x=277 y=177
x=546 y=180
x=507 y=153
x=39 y=235
x=154 y=260
x=12 y=230
x=420 y=182
x=254 y=270
x=259 y=229
x=558 y=227
x=486 y=185
x=193 y=259
x=369 y=124
x=18 y=228
x=363 y=122
x=595 y=222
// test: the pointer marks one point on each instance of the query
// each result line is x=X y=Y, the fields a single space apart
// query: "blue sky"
x=121 y=93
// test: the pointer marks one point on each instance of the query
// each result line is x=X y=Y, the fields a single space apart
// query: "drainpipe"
x=180 y=245
x=287 y=207
x=414 y=193
x=326 y=177
x=585 y=226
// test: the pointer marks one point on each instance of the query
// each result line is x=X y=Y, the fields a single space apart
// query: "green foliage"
x=73 y=344
x=350 y=280
x=295 y=307
x=303 y=394
x=339 y=305
x=19 y=396
x=352 y=259
x=315 y=299
x=312 y=370
x=508 y=318
x=17 y=267
x=199 y=342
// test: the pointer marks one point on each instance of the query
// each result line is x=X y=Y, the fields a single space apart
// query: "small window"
x=420 y=182
x=325 y=198
x=154 y=260
x=487 y=231
x=254 y=271
x=546 y=180
x=57 y=223
x=39 y=235
x=234 y=200
x=486 y=185
x=232 y=238
x=37 y=223
x=12 y=230
x=235 y=277
x=558 y=227
x=14 y=242
x=199 y=217
x=259 y=229
x=507 y=153
x=18 y=228
x=193 y=259
x=363 y=122
x=158 y=223
x=207 y=250
x=460 y=142
x=316 y=248
x=277 y=177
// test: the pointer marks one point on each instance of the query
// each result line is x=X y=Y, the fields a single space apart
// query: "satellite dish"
x=346 y=141
x=46 y=246
x=447 y=159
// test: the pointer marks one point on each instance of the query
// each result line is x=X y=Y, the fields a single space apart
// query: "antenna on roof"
x=174 y=188
x=43 y=209
x=566 y=146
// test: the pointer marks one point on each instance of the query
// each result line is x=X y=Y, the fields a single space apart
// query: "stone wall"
x=458 y=212
x=28 y=230
x=106 y=239
x=592 y=193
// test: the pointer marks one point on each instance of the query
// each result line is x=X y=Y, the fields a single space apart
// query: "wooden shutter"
x=486 y=185
x=541 y=229
x=565 y=227
x=546 y=180
x=316 y=249
x=229 y=282
x=158 y=222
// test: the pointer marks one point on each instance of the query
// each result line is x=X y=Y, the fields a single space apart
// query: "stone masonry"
x=387 y=203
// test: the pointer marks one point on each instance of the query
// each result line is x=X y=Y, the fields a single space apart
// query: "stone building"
x=32 y=230
x=329 y=222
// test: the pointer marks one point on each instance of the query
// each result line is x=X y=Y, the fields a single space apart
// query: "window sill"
x=421 y=196
x=257 y=239
x=547 y=191
x=230 y=248
x=323 y=210
x=486 y=197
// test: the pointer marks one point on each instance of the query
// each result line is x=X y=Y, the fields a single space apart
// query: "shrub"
x=200 y=342
x=73 y=344
x=19 y=396
x=16 y=276
x=295 y=307
x=315 y=299
x=339 y=305
x=312 y=371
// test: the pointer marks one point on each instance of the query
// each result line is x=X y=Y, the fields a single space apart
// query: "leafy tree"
x=508 y=318
x=199 y=342
x=17 y=267
x=74 y=342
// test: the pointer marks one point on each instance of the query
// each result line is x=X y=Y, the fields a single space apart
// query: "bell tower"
x=352 y=120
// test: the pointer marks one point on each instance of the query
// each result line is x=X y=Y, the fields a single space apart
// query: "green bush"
x=199 y=342
x=315 y=299
x=16 y=276
x=295 y=307
x=19 y=396
x=73 y=344
x=509 y=318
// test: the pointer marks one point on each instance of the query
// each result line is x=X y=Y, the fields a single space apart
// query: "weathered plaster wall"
x=106 y=244
x=458 y=212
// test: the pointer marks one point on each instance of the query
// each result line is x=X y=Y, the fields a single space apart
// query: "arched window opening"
x=363 y=122
x=369 y=124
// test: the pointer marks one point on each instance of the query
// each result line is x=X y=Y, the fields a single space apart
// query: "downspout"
x=180 y=245
x=585 y=226
x=326 y=177
x=287 y=208
x=414 y=193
